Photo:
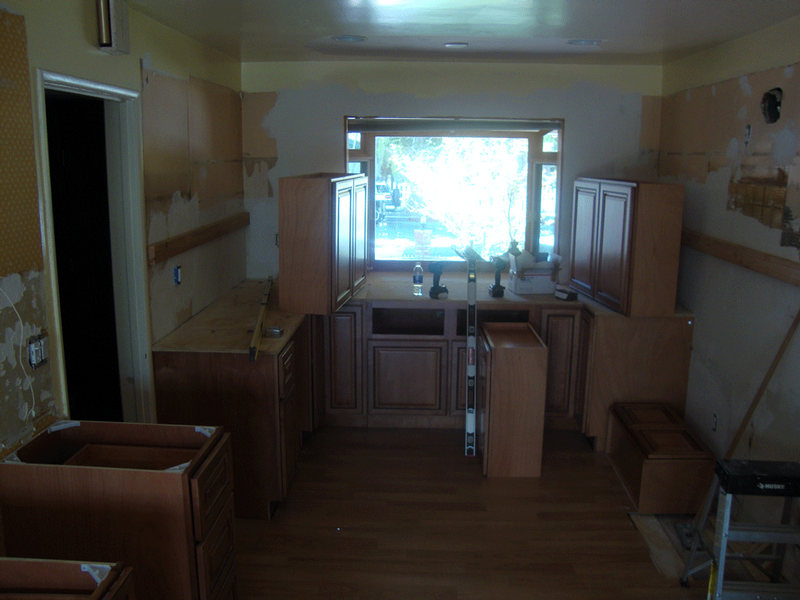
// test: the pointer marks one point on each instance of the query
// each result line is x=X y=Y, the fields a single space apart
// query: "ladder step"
x=774 y=534
x=754 y=590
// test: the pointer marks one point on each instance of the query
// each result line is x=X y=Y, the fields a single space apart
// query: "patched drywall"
x=26 y=392
x=721 y=128
x=740 y=175
x=192 y=142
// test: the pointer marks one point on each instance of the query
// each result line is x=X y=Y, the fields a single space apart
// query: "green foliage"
x=475 y=186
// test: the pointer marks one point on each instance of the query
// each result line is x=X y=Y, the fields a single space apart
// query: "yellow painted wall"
x=436 y=79
x=777 y=46
x=62 y=38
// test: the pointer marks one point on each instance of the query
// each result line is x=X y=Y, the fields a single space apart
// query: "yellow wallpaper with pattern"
x=20 y=241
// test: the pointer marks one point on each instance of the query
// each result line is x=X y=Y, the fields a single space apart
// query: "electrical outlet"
x=176 y=275
x=37 y=350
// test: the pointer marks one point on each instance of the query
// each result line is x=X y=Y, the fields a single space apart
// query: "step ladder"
x=751 y=478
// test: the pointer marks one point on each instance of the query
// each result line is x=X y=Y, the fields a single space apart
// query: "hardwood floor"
x=403 y=514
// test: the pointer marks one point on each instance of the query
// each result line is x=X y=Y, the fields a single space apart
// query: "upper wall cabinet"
x=626 y=244
x=323 y=241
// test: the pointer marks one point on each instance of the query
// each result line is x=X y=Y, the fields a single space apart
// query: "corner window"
x=440 y=184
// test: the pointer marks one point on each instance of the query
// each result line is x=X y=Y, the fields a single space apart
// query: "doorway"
x=102 y=124
x=81 y=227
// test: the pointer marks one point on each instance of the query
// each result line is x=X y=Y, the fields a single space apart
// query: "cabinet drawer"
x=211 y=487
x=286 y=369
x=215 y=554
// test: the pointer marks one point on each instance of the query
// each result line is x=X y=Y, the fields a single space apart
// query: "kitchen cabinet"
x=626 y=244
x=512 y=381
x=157 y=497
x=204 y=375
x=663 y=465
x=561 y=333
x=345 y=358
x=632 y=359
x=407 y=376
x=27 y=578
x=322 y=254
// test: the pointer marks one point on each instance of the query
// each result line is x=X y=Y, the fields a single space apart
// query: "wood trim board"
x=166 y=249
x=755 y=260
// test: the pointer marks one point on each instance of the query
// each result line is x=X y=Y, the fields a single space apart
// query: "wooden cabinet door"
x=584 y=243
x=346 y=361
x=407 y=376
x=613 y=246
x=359 y=235
x=342 y=269
x=561 y=334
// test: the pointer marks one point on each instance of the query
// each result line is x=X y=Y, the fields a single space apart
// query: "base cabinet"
x=259 y=402
x=407 y=377
x=512 y=379
x=32 y=579
x=158 y=498
x=665 y=468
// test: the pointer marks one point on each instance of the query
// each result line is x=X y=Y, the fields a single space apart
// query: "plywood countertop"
x=227 y=325
x=396 y=287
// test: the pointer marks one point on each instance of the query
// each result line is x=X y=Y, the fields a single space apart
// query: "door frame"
x=123 y=116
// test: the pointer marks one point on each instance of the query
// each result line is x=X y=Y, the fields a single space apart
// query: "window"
x=440 y=184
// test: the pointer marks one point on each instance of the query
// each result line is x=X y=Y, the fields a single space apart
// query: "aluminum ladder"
x=752 y=478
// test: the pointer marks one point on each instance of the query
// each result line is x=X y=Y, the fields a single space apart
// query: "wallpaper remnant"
x=20 y=241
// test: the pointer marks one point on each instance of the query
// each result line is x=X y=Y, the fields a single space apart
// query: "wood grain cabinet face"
x=102 y=490
x=345 y=357
x=561 y=333
x=322 y=241
x=626 y=244
x=408 y=376
x=32 y=579
x=512 y=379
x=263 y=403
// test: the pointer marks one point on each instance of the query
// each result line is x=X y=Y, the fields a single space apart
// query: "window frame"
x=533 y=130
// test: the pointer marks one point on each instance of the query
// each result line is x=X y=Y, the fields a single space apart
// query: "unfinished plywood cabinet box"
x=663 y=465
x=512 y=382
x=32 y=579
x=157 y=497
x=626 y=239
x=323 y=241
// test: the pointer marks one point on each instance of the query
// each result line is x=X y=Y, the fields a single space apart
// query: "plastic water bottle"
x=417 y=279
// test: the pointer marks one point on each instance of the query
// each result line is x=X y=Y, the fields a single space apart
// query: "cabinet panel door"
x=407 y=377
x=359 y=236
x=344 y=242
x=345 y=360
x=613 y=249
x=560 y=331
x=584 y=215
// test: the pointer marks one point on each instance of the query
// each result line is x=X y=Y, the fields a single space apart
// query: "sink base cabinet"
x=156 y=497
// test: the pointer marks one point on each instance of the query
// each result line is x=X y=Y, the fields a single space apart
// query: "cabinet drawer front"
x=286 y=369
x=211 y=487
x=216 y=554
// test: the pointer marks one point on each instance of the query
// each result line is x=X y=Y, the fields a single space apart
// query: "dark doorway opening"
x=81 y=228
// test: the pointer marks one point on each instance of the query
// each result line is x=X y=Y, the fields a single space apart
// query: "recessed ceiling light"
x=581 y=42
x=456 y=45
x=350 y=38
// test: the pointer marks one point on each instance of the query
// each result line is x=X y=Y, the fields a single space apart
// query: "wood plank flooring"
x=385 y=514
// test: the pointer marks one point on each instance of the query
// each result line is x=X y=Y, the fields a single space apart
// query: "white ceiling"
x=629 y=31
